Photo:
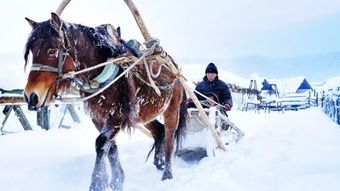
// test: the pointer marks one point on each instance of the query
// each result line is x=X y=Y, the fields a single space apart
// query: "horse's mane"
x=98 y=36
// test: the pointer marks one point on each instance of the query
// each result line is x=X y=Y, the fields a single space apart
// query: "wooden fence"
x=15 y=102
x=330 y=103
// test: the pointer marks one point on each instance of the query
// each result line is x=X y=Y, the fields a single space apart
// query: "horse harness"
x=161 y=60
x=109 y=72
x=63 y=52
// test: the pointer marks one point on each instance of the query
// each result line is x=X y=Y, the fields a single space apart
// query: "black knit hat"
x=211 y=68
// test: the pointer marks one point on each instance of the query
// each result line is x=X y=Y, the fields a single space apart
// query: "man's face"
x=211 y=76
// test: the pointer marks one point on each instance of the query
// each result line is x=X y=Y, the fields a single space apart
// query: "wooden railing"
x=15 y=102
x=330 y=104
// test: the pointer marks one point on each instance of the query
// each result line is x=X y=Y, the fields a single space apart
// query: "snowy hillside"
x=292 y=151
x=331 y=83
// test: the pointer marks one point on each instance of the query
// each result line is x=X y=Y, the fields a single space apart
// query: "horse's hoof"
x=159 y=165
x=97 y=188
x=167 y=175
x=115 y=187
x=117 y=184
x=99 y=184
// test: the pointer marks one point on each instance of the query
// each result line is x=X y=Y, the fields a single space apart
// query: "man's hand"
x=227 y=107
x=189 y=100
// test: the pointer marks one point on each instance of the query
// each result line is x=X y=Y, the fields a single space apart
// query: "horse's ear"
x=33 y=24
x=56 y=22
x=118 y=32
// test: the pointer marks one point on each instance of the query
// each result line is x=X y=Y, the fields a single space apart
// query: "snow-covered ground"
x=290 y=151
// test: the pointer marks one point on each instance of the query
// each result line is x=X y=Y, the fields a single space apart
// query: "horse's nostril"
x=33 y=99
x=32 y=108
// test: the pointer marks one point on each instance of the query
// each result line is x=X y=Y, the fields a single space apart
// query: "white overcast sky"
x=186 y=28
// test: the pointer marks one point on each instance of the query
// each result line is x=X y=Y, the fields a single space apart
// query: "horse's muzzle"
x=32 y=101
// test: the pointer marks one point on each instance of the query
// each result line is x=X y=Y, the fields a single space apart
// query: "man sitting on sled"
x=213 y=87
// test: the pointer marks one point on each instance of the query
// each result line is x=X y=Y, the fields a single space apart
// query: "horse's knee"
x=169 y=143
x=100 y=142
x=113 y=152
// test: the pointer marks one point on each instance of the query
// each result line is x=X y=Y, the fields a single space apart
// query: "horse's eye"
x=52 y=52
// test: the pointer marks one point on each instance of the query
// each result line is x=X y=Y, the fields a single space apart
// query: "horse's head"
x=50 y=59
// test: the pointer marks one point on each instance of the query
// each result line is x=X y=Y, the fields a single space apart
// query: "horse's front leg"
x=103 y=144
x=116 y=169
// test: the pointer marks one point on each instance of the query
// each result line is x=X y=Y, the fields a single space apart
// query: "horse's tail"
x=183 y=113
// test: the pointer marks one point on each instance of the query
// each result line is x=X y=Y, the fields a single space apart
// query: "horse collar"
x=108 y=74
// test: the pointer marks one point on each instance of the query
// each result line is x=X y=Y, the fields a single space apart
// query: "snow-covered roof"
x=286 y=85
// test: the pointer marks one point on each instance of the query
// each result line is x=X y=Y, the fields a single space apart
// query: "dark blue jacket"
x=218 y=87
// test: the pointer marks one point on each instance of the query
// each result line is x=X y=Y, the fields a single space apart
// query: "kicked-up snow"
x=290 y=151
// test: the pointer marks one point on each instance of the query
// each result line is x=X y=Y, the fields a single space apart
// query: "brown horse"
x=59 y=47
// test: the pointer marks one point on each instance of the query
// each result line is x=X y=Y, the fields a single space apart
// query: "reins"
x=72 y=74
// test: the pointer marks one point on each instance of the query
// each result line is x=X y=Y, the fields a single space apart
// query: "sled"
x=198 y=142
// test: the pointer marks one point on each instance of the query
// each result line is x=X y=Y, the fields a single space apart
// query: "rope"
x=204 y=96
x=116 y=79
x=71 y=74
x=159 y=59
x=152 y=45
x=158 y=72
x=165 y=87
x=153 y=85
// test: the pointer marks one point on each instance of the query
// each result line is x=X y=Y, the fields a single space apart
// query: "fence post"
x=22 y=118
x=337 y=108
x=73 y=113
x=43 y=118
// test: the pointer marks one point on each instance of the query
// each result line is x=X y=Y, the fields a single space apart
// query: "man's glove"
x=227 y=107
x=189 y=100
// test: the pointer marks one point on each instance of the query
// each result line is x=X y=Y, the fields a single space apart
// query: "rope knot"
x=70 y=74
x=153 y=46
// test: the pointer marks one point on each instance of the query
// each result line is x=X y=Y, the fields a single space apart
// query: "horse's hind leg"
x=171 y=120
x=157 y=130
x=116 y=168
x=103 y=144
